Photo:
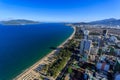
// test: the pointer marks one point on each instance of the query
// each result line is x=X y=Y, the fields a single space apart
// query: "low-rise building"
x=118 y=44
x=117 y=52
x=112 y=39
x=94 y=50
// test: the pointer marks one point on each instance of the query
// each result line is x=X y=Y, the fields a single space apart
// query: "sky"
x=59 y=10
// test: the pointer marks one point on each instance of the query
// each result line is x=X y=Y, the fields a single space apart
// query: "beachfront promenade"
x=31 y=73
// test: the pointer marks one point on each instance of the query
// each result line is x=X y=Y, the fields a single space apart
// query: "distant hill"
x=81 y=23
x=18 y=22
x=111 y=21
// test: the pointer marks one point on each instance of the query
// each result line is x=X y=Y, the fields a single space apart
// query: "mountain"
x=108 y=22
x=18 y=22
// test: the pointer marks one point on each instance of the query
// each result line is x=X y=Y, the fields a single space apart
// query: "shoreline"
x=30 y=70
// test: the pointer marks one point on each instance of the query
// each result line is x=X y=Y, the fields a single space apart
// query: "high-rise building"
x=85 y=46
x=86 y=33
x=105 y=32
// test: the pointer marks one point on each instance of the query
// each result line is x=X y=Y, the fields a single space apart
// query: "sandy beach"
x=30 y=74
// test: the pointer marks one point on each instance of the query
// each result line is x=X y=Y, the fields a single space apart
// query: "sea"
x=23 y=45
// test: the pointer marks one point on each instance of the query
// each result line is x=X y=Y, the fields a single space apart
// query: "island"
x=19 y=22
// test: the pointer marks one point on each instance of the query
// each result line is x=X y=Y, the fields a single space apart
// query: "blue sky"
x=59 y=10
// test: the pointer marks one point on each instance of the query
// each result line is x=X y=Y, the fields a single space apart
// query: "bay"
x=23 y=45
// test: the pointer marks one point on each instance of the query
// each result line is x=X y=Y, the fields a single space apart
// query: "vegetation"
x=41 y=78
x=100 y=51
x=112 y=51
x=60 y=62
x=70 y=70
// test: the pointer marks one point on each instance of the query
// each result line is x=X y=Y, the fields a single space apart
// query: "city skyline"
x=59 y=11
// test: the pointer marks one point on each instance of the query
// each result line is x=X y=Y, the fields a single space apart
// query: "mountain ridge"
x=108 y=22
x=18 y=22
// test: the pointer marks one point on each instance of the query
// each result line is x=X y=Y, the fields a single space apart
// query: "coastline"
x=30 y=71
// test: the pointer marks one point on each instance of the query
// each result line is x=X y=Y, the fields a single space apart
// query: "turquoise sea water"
x=23 y=45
